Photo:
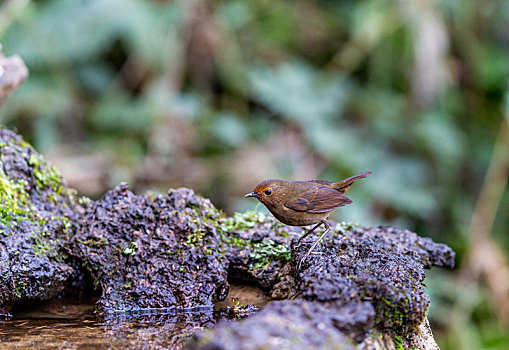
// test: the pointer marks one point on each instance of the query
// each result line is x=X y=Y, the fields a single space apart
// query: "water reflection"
x=167 y=330
x=155 y=329
x=72 y=324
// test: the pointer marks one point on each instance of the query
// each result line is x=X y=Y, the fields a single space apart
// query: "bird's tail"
x=344 y=185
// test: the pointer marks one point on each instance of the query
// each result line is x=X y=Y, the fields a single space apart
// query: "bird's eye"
x=268 y=192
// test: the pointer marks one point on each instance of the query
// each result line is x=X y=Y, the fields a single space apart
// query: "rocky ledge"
x=178 y=251
x=363 y=286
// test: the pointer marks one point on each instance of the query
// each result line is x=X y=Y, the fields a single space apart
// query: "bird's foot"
x=301 y=239
x=314 y=245
x=301 y=261
x=300 y=243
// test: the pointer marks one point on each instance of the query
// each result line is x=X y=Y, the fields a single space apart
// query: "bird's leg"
x=308 y=233
x=327 y=229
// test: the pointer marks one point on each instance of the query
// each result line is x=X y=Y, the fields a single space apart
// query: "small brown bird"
x=302 y=203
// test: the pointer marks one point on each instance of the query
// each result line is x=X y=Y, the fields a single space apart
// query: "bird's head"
x=267 y=191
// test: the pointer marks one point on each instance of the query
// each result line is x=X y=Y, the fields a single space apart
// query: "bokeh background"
x=218 y=95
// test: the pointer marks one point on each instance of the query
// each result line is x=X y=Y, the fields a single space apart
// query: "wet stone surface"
x=160 y=252
x=38 y=215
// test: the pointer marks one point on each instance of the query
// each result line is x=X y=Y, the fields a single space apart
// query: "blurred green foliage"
x=217 y=95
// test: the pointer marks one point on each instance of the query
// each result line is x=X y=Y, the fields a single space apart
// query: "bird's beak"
x=251 y=194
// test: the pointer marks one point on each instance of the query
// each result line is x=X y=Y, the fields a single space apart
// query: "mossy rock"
x=163 y=251
x=382 y=265
x=258 y=247
x=38 y=215
x=361 y=284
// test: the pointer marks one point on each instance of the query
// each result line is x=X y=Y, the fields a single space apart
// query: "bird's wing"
x=318 y=200
x=323 y=183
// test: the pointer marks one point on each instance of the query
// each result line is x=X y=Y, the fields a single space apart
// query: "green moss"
x=20 y=289
x=203 y=220
x=239 y=222
x=398 y=342
x=16 y=204
x=42 y=247
x=208 y=219
x=13 y=201
x=234 y=240
x=195 y=238
x=242 y=221
x=268 y=251
x=132 y=249
x=389 y=311
x=284 y=234
x=46 y=176
x=94 y=241
x=344 y=227
x=84 y=201
x=262 y=253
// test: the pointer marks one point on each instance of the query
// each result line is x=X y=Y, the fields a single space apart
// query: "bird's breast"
x=296 y=218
